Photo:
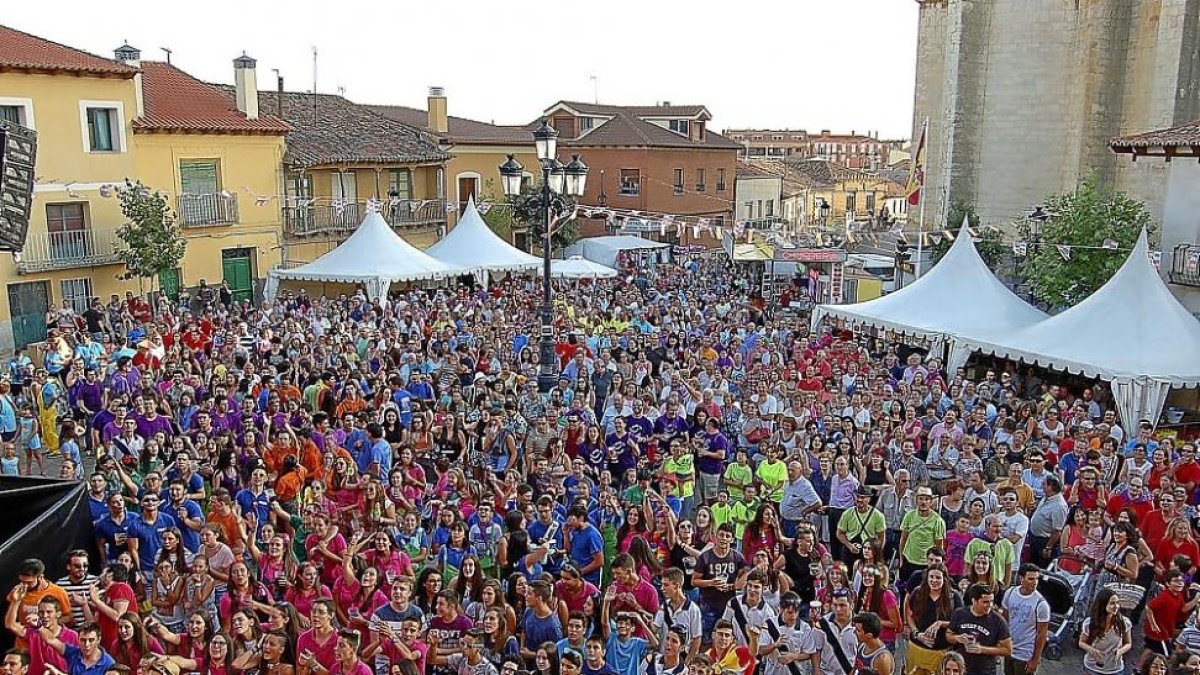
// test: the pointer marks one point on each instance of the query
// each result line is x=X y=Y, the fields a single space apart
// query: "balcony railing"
x=208 y=209
x=72 y=248
x=1185 y=265
x=325 y=219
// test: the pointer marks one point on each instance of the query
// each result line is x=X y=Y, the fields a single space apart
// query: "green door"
x=237 y=271
x=27 y=305
x=168 y=283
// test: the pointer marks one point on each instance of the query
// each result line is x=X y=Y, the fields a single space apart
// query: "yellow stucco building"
x=477 y=149
x=100 y=121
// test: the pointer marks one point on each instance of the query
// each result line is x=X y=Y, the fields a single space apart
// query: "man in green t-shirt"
x=860 y=525
x=745 y=510
x=920 y=531
x=997 y=547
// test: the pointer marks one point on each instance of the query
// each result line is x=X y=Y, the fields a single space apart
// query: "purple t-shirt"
x=711 y=465
x=146 y=428
x=447 y=635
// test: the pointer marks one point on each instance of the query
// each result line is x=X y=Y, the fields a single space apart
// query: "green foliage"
x=154 y=243
x=525 y=210
x=1085 y=217
x=499 y=217
x=989 y=242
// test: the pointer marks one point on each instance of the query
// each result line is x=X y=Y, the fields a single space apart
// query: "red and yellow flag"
x=916 y=173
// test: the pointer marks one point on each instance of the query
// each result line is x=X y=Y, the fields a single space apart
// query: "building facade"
x=1022 y=96
x=99 y=122
x=853 y=150
x=651 y=159
x=476 y=149
x=760 y=196
x=340 y=154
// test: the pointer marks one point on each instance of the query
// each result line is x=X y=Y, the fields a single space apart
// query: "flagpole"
x=921 y=214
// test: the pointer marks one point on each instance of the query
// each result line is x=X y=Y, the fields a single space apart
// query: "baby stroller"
x=1061 y=597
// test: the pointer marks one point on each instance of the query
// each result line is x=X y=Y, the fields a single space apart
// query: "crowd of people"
x=335 y=485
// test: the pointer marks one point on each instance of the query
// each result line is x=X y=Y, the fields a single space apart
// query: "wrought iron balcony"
x=1185 y=265
x=207 y=210
x=69 y=249
x=315 y=219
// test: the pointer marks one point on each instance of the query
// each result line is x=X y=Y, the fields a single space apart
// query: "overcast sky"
x=813 y=64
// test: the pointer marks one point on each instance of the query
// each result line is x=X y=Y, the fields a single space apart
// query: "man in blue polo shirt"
x=586 y=545
x=89 y=658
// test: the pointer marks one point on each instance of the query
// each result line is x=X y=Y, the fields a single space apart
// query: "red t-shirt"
x=1167 y=608
x=108 y=627
x=1169 y=548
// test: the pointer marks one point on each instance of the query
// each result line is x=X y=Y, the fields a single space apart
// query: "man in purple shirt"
x=151 y=423
x=712 y=451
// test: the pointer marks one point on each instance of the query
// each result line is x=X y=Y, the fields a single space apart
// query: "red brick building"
x=655 y=159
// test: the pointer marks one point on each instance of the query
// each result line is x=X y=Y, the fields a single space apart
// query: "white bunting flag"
x=451 y=207
x=1020 y=248
x=1064 y=251
x=261 y=201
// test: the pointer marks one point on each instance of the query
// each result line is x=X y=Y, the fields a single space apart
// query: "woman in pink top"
x=356 y=593
x=383 y=556
x=325 y=548
x=307 y=589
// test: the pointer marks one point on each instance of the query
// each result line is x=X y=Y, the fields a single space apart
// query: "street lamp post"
x=557 y=181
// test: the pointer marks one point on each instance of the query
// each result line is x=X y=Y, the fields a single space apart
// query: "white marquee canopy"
x=1131 y=331
x=373 y=256
x=959 y=298
x=472 y=245
x=578 y=267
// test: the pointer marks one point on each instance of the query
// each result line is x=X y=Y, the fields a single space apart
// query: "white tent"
x=604 y=250
x=1131 y=331
x=578 y=267
x=958 y=298
x=373 y=256
x=472 y=245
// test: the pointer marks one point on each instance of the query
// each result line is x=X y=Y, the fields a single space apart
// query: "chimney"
x=279 y=96
x=245 y=84
x=132 y=56
x=666 y=104
x=436 y=118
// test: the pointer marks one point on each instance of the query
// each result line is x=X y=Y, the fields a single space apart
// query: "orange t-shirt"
x=229 y=527
x=30 y=602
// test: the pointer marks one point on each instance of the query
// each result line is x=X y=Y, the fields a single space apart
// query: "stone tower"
x=1022 y=96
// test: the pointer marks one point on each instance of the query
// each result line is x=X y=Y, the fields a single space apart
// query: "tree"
x=989 y=241
x=153 y=242
x=525 y=210
x=1081 y=220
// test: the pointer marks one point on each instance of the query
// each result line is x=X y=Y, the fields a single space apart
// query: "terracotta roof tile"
x=328 y=129
x=636 y=110
x=22 y=51
x=626 y=130
x=1182 y=136
x=176 y=101
x=462 y=130
x=745 y=168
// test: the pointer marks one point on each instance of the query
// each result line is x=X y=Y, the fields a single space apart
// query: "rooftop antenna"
x=167 y=51
x=314 y=91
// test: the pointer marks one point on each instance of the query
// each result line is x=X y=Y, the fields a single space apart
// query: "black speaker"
x=18 y=153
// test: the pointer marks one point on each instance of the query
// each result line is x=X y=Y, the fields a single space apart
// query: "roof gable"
x=178 y=102
x=21 y=51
